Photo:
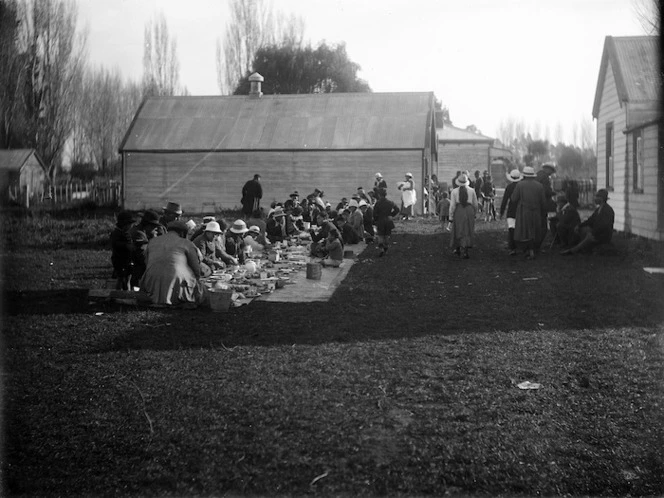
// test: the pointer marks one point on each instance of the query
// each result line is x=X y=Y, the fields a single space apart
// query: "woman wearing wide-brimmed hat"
x=463 y=206
x=528 y=196
x=514 y=177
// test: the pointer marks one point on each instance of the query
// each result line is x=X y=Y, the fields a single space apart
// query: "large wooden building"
x=199 y=151
x=630 y=157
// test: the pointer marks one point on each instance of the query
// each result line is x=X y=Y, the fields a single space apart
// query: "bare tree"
x=104 y=111
x=56 y=56
x=253 y=25
x=161 y=68
x=12 y=76
x=587 y=134
x=649 y=15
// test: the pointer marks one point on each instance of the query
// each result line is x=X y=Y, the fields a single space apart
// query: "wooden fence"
x=65 y=194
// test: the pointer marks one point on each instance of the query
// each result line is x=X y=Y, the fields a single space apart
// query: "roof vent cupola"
x=255 y=81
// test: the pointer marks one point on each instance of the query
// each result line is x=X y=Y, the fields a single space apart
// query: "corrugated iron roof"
x=15 y=158
x=450 y=133
x=286 y=122
x=635 y=64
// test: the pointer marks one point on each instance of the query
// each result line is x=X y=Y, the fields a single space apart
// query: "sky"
x=488 y=61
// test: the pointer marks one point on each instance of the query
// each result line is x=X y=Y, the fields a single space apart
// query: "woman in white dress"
x=408 y=197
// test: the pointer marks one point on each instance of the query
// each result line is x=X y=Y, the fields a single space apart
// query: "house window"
x=637 y=160
x=609 y=156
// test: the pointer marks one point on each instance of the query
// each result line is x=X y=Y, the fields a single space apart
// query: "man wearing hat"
x=598 y=228
x=211 y=246
x=235 y=245
x=379 y=183
x=510 y=207
x=121 y=249
x=171 y=212
x=276 y=225
x=528 y=196
x=141 y=234
x=252 y=193
x=367 y=221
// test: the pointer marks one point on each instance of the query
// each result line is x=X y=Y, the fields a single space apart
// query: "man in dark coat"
x=252 y=193
x=598 y=229
x=528 y=197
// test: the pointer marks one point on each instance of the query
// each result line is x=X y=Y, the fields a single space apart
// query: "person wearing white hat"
x=355 y=219
x=528 y=196
x=379 y=183
x=408 y=197
x=463 y=206
x=211 y=245
x=235 y=245
x=507 y=206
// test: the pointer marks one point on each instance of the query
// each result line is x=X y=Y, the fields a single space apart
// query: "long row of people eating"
x=165 y=257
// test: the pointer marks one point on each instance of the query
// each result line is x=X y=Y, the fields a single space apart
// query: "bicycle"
x=489 y=207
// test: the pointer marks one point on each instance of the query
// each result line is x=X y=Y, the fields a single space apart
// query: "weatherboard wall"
x=197 y=179
x=453 y=157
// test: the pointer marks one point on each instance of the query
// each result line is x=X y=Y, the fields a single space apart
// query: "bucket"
x=313 y=271
x=220 y=300
x=349 y=254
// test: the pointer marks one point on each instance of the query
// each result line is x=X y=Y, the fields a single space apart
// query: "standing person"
x=478 y=188
x=252 y=193
x=121 y=249
x=463 y=206
x=488 y=193
x=173 y=268
x=141 y=235
x=510 y=207
x=408 y=197
x=528 y=196
x=379 y=183
x=444 y=211
x=384 y=210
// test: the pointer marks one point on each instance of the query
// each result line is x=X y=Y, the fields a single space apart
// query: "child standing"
x=444 y=211
x=121 y=249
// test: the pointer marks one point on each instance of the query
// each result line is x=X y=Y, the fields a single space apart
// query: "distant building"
x=22 y=176
x=630 y=152
x=201 y=150
x=460 y=150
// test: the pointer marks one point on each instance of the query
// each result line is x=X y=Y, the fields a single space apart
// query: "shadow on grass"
x=46 y=302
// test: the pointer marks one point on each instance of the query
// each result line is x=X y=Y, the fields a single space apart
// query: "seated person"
x=348 y=235
x=567 y=220
x=212 y=250
x=173 y=268
x=258 y=219
x=598 y=229
x=318 y=237
x=254 y=240
x=276 y=225
x=294 y=221
x=367 y=220
x=334 y=249
x=355 y=218
x=201 y=228
x=235 y=245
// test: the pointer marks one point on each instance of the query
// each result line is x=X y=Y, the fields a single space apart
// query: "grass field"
x=403 y=384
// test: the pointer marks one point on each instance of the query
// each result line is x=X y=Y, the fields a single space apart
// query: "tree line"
x=53 y=100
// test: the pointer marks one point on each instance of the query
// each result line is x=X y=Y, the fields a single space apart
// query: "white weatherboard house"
x=201 y=150
x=630 y=153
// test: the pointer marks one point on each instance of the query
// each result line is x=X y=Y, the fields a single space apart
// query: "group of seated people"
x=165 y=257
x=577 y=236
